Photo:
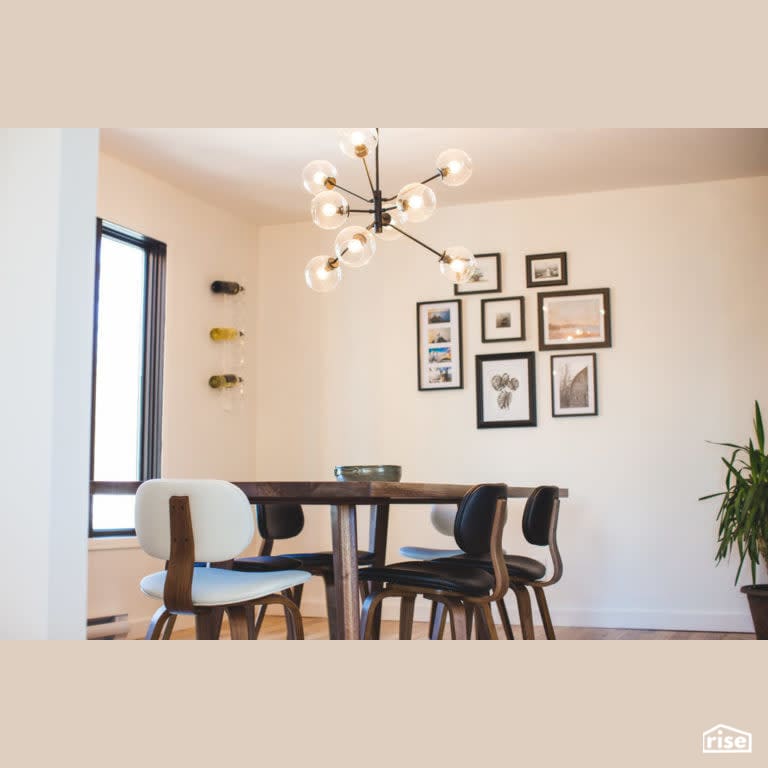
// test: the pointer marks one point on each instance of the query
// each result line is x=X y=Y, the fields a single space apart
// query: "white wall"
x=200 y=437
x=47 y=208
x=687 y=270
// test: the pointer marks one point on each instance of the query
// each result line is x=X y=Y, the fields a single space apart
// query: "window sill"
x=113 y=542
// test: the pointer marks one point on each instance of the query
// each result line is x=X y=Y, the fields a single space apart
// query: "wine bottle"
x=225 y=334
x=222 y=286
x=224 y=380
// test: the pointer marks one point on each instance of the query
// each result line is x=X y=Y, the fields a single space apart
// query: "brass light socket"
x=329 y=183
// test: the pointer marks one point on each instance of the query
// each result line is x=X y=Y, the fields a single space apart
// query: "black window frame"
x=152 y=368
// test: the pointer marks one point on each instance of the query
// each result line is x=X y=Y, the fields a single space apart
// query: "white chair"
x=185 y=522
x=443 y=517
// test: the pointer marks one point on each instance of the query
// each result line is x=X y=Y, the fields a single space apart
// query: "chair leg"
x=469 y=612
x=239 y=626
x=524 y=608
x=485 y=619
x=330 y=603
x=207 y=625
x=159 y=620
x=370 y=605
x=541 y=599
x=505 y=622
x=260 y=620
x=436 y=620
x=290 y=630
x=295 y=622
x=406 y=617
x=458 y=616
x=169 y=627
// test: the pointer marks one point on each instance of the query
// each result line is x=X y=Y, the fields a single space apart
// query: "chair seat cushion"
x=217 y=586
x=266 y=563
x=432 y=574
x=425 y=553
x=324 y=560
x=519 y=567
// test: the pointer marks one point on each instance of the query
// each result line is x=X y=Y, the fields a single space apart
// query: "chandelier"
x=414 y=203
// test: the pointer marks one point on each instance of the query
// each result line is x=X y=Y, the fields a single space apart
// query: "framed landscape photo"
x=438 y=328
x=574 y=385
x=503 y=319
x=572 y=319
x=486 y=277
x=506 y=390
x=542 y=269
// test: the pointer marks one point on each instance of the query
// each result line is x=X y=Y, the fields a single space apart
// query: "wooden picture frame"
x=506 y=390
x=486 y=278
x=439 y=345
x=574 y=384
x=503 y=319
x=544 y=269
x=574 y=319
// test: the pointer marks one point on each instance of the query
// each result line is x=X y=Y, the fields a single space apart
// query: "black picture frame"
x=444 y=337
x=491 y=334
x=489 y=263
x=499 y=395
x=593 y=332
x=556 y=378
x=530 y=263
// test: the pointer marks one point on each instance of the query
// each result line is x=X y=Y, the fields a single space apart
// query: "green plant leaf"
x=759 y=431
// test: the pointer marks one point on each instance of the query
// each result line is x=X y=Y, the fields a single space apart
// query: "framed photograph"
x=506 y=390
x=486 y=277
x=438 y=329
x=570 y=319
x=574 y=385
x=503 y=319
x=542 y=269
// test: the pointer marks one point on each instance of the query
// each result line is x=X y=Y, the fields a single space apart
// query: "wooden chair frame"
x=460 y=607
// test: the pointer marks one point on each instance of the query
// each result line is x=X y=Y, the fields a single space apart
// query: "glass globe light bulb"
x=329 y=210
x=455 y=165
x=316 y=174
x=355 y=246
x=395 y=217
x=458 y=264
x=358 y=142
x=417 y=201
x=323 y=274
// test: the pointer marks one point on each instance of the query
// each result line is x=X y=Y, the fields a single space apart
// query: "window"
x=126 y=410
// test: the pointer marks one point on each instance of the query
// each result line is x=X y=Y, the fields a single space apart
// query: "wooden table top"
x=335 y=492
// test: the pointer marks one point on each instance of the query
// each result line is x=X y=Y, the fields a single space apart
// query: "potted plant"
x=743 y=517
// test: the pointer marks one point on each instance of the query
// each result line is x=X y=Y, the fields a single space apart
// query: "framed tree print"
x=506 y=390
x=503 y=319
x=542 y=269
x=486 y=278
x=574 y=385
x=438 y=330
x=573 y=319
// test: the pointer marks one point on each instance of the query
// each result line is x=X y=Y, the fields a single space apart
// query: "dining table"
x=343 y=499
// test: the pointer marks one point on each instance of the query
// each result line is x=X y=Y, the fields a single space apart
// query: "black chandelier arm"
x=438 y=175
x=423 y=245
x=350 y=192
x=378 y=139
x=368 y=174
x=361 y=210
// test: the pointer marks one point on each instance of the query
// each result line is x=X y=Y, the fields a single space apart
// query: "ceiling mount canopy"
x=414 y=203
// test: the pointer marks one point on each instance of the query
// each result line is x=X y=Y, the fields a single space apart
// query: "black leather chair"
x=286 y=521
x=462 y=589
x=539 y=525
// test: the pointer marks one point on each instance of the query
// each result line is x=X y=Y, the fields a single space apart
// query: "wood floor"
x=317 y=629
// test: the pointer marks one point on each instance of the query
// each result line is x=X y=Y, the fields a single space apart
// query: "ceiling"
x=256 y=172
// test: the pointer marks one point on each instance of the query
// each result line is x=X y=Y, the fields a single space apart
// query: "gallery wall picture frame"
x=574 y=384
x=503 y=319
x=506 y=390
x=574 y=319
x=486 y=277
x=439 y=345
x=544 y=269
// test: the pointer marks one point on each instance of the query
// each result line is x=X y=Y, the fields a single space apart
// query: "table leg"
x=377 y=543
x=344 y=536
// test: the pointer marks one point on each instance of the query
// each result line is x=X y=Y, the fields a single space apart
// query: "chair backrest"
x=538 y=514
x=222 y=521
x=443 y=518
x=279 y=521
x=474 y=518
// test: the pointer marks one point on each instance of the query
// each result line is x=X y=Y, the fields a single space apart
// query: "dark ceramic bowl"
x=388 y=472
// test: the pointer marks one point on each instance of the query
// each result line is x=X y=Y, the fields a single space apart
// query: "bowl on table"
x=368 y=472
